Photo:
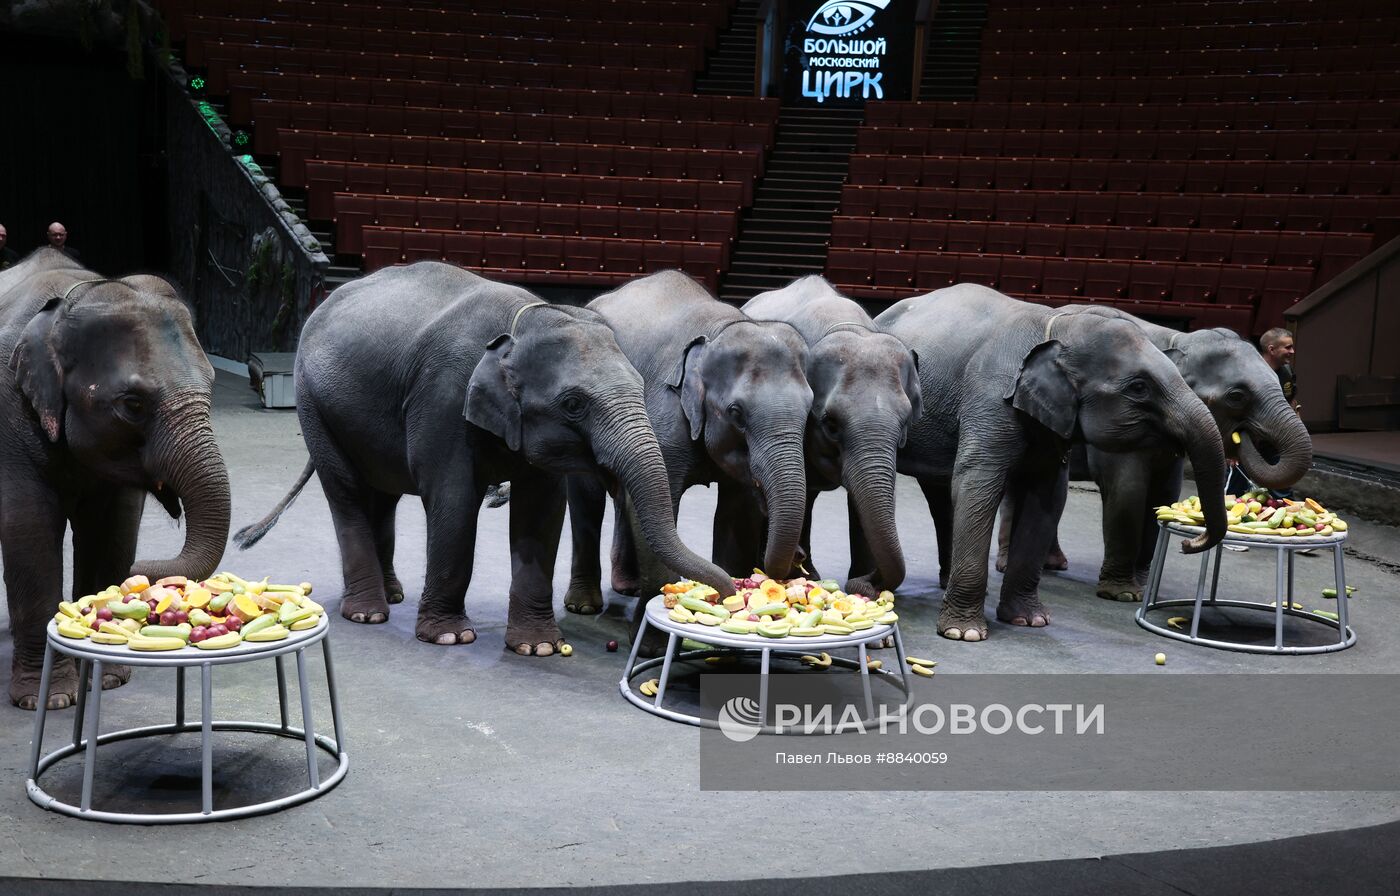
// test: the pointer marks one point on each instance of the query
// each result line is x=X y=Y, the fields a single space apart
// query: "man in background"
x=1277 y=346
x=58 y=239
x=8 y=257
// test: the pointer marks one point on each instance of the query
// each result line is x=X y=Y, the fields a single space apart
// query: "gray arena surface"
x=473 y=767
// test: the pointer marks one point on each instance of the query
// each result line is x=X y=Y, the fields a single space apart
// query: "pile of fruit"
x=776 y=609
x=220 y=612
x=1255 y=513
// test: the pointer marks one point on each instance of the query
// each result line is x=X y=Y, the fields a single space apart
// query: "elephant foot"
x=1056 y=560
x=862 y=585
x=1001 y=564
x=653 y=643
x=962 y=623
x=369 y=610
x=626 y=583
x=1027 y=611
x=534 y=638
x=393 y=589
x=942 y=581
x=1124 y=592
x=498 y=495
x=63 y=685
x=445 y=628
x=115 y=676
x=584 y=598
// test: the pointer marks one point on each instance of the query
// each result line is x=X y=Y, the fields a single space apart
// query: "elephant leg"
x=805 y=564
x=1039 y=500
x=1164 y=487
x=536 y=521
x=976 y=495
x=626 y=571
x=938 y=494
x=452 y=504
x=1123 y=488
x=105 y=529
x=382 y=508
x=31 y=543
x=588 y=500
x=1005 y=513
x=738 y=534
x=351 y=504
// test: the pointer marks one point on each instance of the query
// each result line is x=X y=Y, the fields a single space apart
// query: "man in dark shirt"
x=58 y=239
x=8 y=257
x=1277 y=346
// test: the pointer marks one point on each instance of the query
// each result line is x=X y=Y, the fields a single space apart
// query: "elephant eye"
x=1136 y=389
x=831 y=426
x=573 y=406
x=736 y=413
x=1236 y=398
x=134 y=406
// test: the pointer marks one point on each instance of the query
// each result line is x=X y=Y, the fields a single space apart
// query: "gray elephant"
x=865 y=397
x=1243 y=395
x=728 y=398
x=1008 y=386
x=107 y=399
x=386 y=370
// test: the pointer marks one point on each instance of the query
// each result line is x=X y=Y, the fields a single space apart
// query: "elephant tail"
x=250 y=535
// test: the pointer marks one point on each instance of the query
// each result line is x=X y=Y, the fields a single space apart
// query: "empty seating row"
x=1269 y=290
x=1381 y=144
x=710 y=12
x=1124 y=62
x=204 y=31
x=353 y=211
x=1122 y=175
x=1284 y=116
x=226 y=57
x=245 y=86
x=270 y=115
x=542 y=259
x=1354 y=214
x=1117 y=15
x=296 y=147
x=437 y=20
x=1327 y=253
x=325 y=178
x=1192 y=88
x=1370 y=32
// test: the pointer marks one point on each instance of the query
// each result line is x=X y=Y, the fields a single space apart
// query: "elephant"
x=866 y=396
x=1243 y=395
x=1008 y=385
x=729 y=399
x=429 y=380
x=107 y=400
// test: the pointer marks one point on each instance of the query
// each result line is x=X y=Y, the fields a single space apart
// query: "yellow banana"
x=919 y=661
x=1176 y=621
x=141 y=642
x=922 y=670
x=221 y=642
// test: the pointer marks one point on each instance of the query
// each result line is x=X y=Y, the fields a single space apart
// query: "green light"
x=196 y=83
x=240 y=138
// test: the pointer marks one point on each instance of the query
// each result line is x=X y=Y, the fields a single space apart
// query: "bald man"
x=58 y=239
x=8 y=256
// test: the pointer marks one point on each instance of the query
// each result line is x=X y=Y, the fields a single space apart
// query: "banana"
x=303 y=625
x=266 y=620
x=71 y=628
x=820 y=662
x=649 y=687
x=141 y=642
x=103 y=637
x=738 y=626
x=836 y=628
x=888 y=619
x=271 y=633
x=922 y=670
x=71 y=610
x=221 y=642
x=113 y=628
x=919 y=661
x=774 y=629
x=1176 y=621
x=696 y=605
x=707 y=619
x=877 y=665
x=1329 y=614
x=861 y=624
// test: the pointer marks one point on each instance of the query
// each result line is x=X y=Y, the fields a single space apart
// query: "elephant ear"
x=493 y=398
x=914 y=389
x=686 y=380
x=38 y=371
x=1044 y=391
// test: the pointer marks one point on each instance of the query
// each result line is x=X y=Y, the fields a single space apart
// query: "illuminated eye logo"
x=841 y=17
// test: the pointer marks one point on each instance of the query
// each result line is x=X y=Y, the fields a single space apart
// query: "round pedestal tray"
x=86 y=738
x=1285 y=548
x=726 y=644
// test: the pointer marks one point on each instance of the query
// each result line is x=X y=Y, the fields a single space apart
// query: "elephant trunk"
x=184 y=460
x=869 y=477
x=1281 y=425
x=780 y=470
x=1194 y=427
x=625 y=445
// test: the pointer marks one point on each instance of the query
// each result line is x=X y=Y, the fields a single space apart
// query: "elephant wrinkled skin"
x=1007 y=386
x=107 y=399
x=386 y=371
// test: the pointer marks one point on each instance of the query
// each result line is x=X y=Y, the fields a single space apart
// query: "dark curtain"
x=79 y=144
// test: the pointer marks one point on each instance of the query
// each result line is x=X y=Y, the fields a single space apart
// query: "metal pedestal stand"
x=92 y=657
x=725 y=644
x=1285 y=547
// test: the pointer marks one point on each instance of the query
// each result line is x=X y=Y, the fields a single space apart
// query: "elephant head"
x=1102 y=380
x=561 y=393
x=865 y=397
x=1243 y=395
x=744 y=392
x=113 y=371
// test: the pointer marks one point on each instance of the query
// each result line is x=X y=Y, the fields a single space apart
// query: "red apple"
x=94 y=623
x=181 y=616
x=214 y=631
x=168 y=618
x=233 y=623
x=198 y=633
x=612 y=647
x=104 y=614
x=153 y=618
